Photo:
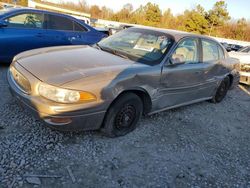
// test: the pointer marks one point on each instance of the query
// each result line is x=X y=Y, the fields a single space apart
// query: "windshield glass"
x=141 y=45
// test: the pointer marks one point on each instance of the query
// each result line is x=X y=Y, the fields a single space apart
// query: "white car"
x=244 y=56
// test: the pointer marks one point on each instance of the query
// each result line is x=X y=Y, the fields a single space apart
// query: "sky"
x=236 y=8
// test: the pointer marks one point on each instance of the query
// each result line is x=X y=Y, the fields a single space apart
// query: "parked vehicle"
x=226 y=46
x=103 y=30
x=244 y=56
x=23 y=29
x=109 y=86
x=235 y=47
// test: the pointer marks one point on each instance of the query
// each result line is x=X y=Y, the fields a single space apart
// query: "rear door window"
x=59 y=23
x=210 y=51
x=79 y=28
x=26 y=20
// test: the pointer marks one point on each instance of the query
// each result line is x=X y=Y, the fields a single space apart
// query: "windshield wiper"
x=119 y=54
x=115 y=52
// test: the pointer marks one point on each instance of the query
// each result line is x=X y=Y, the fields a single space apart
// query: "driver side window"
x=186 y=52
x=27 y=20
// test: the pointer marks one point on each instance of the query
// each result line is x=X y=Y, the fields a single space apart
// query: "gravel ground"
x=201 y=145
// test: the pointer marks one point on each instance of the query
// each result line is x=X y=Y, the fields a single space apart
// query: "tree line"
x=214 y=22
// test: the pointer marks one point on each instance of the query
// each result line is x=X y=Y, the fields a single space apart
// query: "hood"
x=60 y=65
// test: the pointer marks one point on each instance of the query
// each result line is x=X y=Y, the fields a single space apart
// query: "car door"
x=182 y=79
x=79 y=35
x=57 y=28
x=24 y=31
x=83 y=35
x=64 y=31
x=213 y=58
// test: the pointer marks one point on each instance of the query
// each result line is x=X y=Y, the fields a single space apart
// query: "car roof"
x=177 y=35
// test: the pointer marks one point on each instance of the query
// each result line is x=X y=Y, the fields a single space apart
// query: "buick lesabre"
x=110 y=85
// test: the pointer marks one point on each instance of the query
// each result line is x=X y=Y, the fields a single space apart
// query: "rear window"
x=59 y=23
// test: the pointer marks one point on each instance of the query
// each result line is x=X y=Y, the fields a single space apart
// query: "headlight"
x=64 y=95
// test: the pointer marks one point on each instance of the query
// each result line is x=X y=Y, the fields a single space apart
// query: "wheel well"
x=144 y=96
x=146 y=100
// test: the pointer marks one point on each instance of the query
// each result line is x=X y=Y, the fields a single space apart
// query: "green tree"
x=124 y=14
x=107 y=13
x=195 y=21
x=218 y=15
x=138 y=16
x=128 y=7
x=19 y=2
x=241 y=27
x=23 y=2
x=168 y=19
x=95 y=11
x=152 y=14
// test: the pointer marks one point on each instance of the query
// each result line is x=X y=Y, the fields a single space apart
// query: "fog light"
x=59 y=121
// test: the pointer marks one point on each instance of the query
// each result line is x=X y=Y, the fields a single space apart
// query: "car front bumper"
x=61 y=116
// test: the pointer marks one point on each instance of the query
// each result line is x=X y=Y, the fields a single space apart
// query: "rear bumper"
x=245 y=78
x=77 y=119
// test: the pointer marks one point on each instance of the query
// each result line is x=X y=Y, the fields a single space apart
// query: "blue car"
x=24 y=29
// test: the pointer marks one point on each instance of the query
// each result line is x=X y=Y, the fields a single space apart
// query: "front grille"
x=245 y=67
x=20 y=80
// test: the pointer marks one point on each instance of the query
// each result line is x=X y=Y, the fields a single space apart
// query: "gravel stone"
x=200 y=145
x=33 y=180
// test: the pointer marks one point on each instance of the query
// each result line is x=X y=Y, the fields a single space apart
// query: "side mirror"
x=3 y=23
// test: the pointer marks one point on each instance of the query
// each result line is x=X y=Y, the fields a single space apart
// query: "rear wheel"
x=221 y=91
x=123 y=115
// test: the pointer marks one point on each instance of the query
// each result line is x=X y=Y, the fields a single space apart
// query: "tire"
x=123 y=115
x=221 y=90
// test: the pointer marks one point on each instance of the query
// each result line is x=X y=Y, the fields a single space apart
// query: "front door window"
x=26 y=20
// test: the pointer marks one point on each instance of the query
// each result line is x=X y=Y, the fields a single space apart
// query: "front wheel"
x=221 y=91
x=123 y=115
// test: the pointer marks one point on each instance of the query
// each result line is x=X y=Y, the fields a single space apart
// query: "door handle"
x=72 y=38
x=197 y=72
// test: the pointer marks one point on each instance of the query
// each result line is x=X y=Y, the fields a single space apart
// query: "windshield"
x=141 y=45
